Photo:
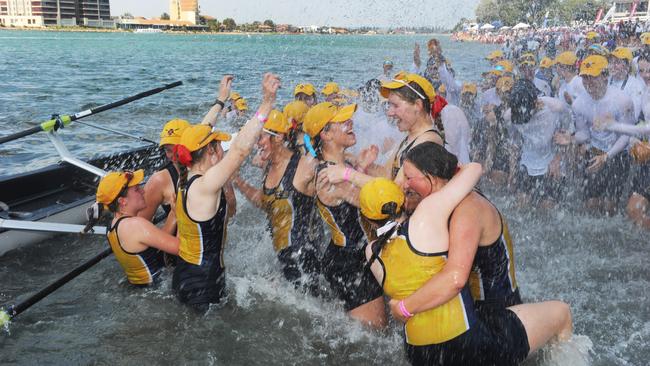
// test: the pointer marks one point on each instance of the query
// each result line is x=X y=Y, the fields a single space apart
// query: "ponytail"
x=386 y=231
x=186 y=158
x=438 y=105
x=93 y=214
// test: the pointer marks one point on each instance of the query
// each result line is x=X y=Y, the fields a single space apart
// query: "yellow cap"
x=593 y=65
x=241 y=104
x=546 y=63
x=505 y=65
x=442 y=89
x=505 y=83
x=494 y=54
x=277 y=122
x=375 y=194
x=568 y=58
x=304 y=88
x=198 y=136
x=591 y=35
x=400 y=81
x=172 y=131
x=469 y=88
x=234 y=96
x=323 y=113
x=330 y=88
x=623 y=53
x=596 y=49
x=296 y=111
x=349 y=93
x=645 y=38
x=113 y=183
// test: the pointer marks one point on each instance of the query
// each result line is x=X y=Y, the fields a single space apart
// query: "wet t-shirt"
x=615 y=104
x=457 y=132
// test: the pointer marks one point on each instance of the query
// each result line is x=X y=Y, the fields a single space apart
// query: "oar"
x=64 y=120
x=12 y=311
x=9 y=312
x=144 y=139
x=50 y=227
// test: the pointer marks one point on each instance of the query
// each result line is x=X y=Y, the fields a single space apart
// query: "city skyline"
x=381 y=13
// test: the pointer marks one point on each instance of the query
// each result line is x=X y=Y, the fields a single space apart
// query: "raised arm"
x=224 y=91
x=215 y=177
x=448 y=197
x=252 y=194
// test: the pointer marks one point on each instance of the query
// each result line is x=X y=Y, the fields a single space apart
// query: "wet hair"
x=184 y=168
x=393 y=211
x=523 y=101
x=433 y=159
x=410 y=96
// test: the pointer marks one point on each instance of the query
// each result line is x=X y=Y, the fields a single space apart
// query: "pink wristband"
x=403 y=310
x=260 y=117
x=347 y=173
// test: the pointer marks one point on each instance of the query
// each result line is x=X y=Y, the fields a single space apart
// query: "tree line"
x=560 y=12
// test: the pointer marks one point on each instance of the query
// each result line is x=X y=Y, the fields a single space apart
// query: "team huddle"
x=396 y=223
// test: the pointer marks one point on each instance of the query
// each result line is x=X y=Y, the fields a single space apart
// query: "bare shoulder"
x=158 y=179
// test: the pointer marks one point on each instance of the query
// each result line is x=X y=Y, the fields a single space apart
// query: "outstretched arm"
x=215 y=177
x=224 y=91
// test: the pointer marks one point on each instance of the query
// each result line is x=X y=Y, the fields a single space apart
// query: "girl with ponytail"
x=287 y=198
x=138 y=244
x=201 y=206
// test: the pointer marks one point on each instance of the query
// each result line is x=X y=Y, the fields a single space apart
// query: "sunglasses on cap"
x=410 y=87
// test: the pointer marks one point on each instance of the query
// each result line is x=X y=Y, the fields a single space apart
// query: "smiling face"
x=405 y=113
x=341 y=134
x=269 y=145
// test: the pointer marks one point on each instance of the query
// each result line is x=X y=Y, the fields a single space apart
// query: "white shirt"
x=543 y=87
x=490 y=96
x=538 y=149
x=574 y=88
x=457 y=132
x=616 y=104
x=634 y=88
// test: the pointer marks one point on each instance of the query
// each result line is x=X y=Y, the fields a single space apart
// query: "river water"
x=597 y=264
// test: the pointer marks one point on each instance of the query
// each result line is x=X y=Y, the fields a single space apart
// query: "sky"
x=345 y=13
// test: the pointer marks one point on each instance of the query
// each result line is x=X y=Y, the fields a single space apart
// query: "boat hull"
x=60 y=193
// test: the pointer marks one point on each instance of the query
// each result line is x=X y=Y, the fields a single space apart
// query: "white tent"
x=504 y=28
x=487 y=26
x=521 y=26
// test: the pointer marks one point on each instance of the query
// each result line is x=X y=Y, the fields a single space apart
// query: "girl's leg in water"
x=372 y=313
x=543 y=321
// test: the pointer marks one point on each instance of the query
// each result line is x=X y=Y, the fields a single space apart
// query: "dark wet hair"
x=410 y=96
x=196 y=156
x=393 y=211
x=523 y=101
x=433 y=159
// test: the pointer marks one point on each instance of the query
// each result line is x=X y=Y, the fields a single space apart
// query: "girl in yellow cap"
x=412 y=251
x=160 y=190
x=287 y=198
x=410 y=98
x=138 y=244
x=199 y=277
x=330 y=129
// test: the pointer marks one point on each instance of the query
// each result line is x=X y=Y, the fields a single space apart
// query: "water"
x=596 y=264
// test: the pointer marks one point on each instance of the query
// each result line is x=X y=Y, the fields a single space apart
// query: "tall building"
x=187 y=10
x=92 y=13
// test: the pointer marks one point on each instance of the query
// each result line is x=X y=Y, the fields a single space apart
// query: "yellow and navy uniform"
x=401 y=153
x=452 y=333
x=140 y=268
x=405 y=271
x=492 y=279
x=344 y=259
x=199 y=278
x=173 y=174
x=291 y=217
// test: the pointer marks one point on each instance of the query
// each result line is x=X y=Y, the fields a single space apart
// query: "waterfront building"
x=184 y=10
x=29 y=13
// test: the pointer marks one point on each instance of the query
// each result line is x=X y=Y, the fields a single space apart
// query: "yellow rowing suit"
x=405 y=271
x=140 y=268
